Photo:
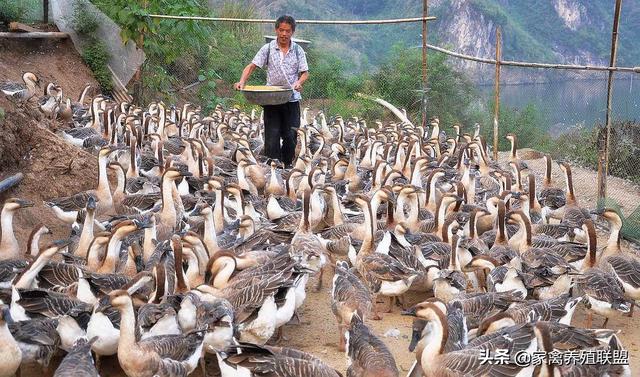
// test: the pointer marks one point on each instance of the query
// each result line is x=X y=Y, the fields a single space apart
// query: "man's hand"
x=297 y=86
x=239 y=85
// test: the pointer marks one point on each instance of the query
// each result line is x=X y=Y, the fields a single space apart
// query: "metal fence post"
x=496 y=109
x=602 y=188
x=425 y=13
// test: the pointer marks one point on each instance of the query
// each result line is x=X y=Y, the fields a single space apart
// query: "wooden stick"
x=496 y=95
x=612 y=63
x=32 y=35
x=534 y=65
x=18 y=26
x=425 y=14
x=316 y=22
x=8 y=183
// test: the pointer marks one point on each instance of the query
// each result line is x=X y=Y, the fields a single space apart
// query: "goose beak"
x=597 y=211
x=103 y=304
x=415 y=338
x=24 y=203
x=62 y=243
x=91 y=203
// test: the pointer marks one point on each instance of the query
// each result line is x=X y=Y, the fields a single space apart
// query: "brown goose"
x=10 y=353
x=625 y=266
x=176 y=355
x=368 y=355
x=572 y=214
x=78 y=361
x=603 y=293
x=350 y=296
x=305 y=245
x=433 y=361
x=384 y=274
x=18 y=91
x=66 y=208
x=276 y=362
x=550 y=198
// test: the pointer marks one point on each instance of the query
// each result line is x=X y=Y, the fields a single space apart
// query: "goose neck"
x=103 y=178
x=434 y=342
x=613 y=243
x=127 y=339
x=8 y=243
x=86 y=235
x=168 y=206
x=218 y=212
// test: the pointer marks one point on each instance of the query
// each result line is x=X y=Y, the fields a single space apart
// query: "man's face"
x=284 y=33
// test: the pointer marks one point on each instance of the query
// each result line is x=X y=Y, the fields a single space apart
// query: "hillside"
x=567 y=31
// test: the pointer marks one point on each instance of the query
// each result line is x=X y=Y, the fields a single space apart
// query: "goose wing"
x=570 y=337
x=82 y=133
x=173 y=347
x=552 y=197
x=277 y=361
x=12 y=88
x=468 y=362
x=50 y=304
x=350 y=292
x=41 y=331
x=10 y=268
x=71 y=203
x=58 y=276
x=512 y=338
x=602 y=286
x=339 y=231
x=137 y=203
x=386 y=268
x=626 y=269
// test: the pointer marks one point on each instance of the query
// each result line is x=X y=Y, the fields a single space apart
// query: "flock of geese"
x=204 y=247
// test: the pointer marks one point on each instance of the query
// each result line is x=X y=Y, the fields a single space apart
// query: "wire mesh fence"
x=29 y=11
x=559 y=112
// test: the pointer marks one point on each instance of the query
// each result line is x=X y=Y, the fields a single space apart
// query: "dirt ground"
x=53 y=168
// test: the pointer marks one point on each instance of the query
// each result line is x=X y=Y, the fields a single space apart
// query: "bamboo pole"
x=425 y=13
x=313 y=22
x=602 y=189
x=9 y=182
x=496 y=95
x=34 y=35
x=45 y=11
x=534 y=65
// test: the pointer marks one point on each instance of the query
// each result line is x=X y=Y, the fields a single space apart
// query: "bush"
x=85 y=23
x=1 y=113
x=12 y=10
x=96 y=56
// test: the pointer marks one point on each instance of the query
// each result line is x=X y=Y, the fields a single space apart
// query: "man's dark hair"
x=287 y=20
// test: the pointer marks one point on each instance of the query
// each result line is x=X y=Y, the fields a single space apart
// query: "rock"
x=392 y=333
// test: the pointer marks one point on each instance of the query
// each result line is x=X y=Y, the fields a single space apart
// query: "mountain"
x=552 y=31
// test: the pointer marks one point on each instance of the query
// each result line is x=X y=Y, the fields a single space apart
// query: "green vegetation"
x=1 y=113
x=94 y=51
x=12 y=10
x=582 y=146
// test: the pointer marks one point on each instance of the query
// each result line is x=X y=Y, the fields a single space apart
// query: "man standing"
x=286 y=65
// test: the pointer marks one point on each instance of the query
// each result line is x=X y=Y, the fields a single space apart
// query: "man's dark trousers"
x=281 y=122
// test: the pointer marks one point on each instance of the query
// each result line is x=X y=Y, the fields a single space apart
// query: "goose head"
x=15 y=204
x=30 y=78
x=119 y=298
x=54 y=247
x=173 y=173
x=611 y=215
